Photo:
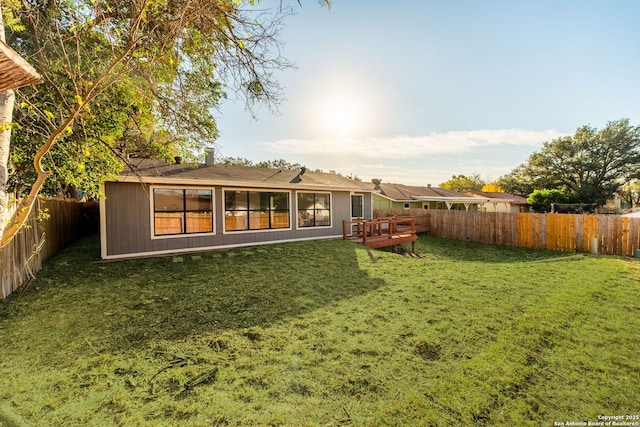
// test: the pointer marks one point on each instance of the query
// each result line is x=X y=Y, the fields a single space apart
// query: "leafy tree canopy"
x=591 y=165
x=136 y=77
x=269 y=164
x=492 y=187
x=462 y=183
x=544 y=200
x=630 y=194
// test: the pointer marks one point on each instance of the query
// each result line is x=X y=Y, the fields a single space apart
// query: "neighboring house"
x=632 y=213
x=166 y=208
x=399 y=196
x=501 y=202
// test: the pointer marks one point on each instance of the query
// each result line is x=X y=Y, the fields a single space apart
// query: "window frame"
x=298 y=210
x=248 y=210
x=184 y=188
x=361 y=197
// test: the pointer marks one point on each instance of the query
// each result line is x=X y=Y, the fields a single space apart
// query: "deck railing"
x=380 y=232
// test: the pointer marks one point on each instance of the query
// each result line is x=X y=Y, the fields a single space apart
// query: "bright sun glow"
x=342 y=116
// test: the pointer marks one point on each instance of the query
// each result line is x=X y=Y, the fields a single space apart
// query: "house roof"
x=514 y=199
x=410 y=193
x=401 y=192
x=16 y=72
x=164 y=172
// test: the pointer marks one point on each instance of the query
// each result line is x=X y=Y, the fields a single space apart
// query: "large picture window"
x=182 y=211
x=255 y=210
x=314 y=210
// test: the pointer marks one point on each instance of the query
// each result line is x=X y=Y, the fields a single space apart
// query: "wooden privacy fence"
x=22 y=258
x=604 y=234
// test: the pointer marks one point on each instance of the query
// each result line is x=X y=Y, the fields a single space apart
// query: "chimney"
x=209 y=156
x=178 y=159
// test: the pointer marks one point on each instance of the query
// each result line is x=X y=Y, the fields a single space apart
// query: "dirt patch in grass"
x=318 y=333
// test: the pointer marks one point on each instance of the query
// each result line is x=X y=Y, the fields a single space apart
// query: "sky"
x=416 y=91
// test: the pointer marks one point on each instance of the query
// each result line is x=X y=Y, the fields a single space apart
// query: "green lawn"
x=323 y=333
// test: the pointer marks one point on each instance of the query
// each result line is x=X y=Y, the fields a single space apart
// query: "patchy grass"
x=319 y=333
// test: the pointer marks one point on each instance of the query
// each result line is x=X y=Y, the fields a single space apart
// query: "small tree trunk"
x=7 y=99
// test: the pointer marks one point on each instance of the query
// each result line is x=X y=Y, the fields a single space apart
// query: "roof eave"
x=17 y=72
x=377 y=193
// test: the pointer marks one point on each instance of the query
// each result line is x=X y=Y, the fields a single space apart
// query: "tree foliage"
x=269 y=164
x=462 y=183
x=145 y=76
x=131 y=77
x=630 y=194
x=591 y=165
x=544 y=200
x=492 y=187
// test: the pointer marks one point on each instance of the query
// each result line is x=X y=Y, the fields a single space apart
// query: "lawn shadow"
x=457 y=250
x=121 y=305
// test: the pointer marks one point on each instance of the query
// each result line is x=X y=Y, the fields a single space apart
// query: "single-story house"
x=400 y=196
x=501 y=202
x=157 y=207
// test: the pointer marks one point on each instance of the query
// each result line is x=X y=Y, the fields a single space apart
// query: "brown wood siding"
x=128 y=224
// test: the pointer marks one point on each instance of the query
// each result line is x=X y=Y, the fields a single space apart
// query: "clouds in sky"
x=411 y=147
x=416 y=160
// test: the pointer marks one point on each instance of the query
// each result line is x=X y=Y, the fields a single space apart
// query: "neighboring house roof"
x=16 y=72
x=633 y=213
x=401 y=192
x=410 y=193
x=514 y=199
x=164 y=172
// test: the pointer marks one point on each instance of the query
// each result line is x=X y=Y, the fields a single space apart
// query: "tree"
x=281 y=164
x=630 y=194
x=492 y=187
x=113 y=66
x=268 y=164
x=517 y=182
x=462 y=183
x=592 y=164
x=544 y=200
x=236 y=161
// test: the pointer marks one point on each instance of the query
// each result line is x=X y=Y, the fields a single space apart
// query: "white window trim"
x=317 y=227
x=261 y=230
x=182 y=235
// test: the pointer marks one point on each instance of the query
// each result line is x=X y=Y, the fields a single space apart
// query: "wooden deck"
x=381 y=232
